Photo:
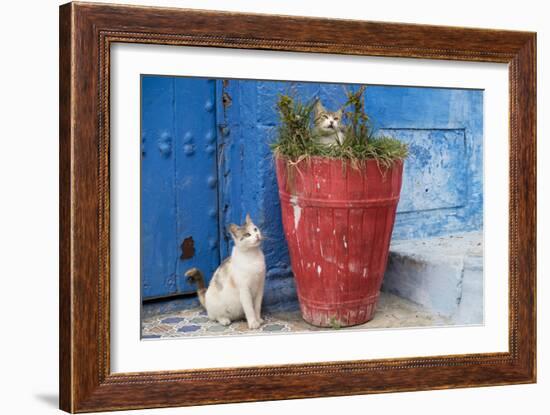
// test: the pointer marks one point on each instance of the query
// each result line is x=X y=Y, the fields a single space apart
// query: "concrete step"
x=442 y=274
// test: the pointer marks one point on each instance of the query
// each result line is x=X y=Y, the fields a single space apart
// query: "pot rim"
x=396 y=162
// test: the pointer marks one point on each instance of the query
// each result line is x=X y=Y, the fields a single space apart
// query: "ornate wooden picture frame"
x=87 y=32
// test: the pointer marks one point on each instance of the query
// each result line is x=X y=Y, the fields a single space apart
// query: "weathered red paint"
x=338 y=223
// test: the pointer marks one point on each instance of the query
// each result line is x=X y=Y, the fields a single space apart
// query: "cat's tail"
x=194 y=276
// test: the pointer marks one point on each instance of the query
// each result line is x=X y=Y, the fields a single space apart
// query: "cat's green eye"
x=255 y=229
x=246 y=235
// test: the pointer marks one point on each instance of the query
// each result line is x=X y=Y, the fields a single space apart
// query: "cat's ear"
x=233 y=230
x=339 y=113
x=248 y=221
x=318 y=107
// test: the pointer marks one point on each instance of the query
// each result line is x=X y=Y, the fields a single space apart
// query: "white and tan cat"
x=327 y=125
x=237 y=287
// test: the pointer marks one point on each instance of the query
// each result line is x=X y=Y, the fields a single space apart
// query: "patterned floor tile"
x=172 y=320
x=188 y=329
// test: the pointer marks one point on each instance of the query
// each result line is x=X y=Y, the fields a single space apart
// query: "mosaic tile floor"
x=392 y=312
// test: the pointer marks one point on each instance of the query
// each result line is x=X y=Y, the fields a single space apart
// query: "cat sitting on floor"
x=237 y=287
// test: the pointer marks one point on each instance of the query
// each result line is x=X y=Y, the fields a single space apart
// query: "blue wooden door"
x=179 y=189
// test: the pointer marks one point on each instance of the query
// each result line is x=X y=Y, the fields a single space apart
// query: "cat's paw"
x=261 y=320
x=224 y=321
x=253 y=324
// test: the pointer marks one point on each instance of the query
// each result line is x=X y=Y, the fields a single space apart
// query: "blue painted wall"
x=442 y=189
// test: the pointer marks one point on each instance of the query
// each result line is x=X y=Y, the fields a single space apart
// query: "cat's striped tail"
x=194 y=276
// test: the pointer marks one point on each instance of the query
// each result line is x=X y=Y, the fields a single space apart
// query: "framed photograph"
x=258 y=207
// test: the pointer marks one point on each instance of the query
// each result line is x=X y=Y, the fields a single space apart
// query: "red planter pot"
x=338 y=223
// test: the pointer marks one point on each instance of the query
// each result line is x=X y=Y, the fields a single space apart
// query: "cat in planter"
x=328 y=128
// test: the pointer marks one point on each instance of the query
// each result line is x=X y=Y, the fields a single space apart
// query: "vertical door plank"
x=196 y=178
x=158 y=202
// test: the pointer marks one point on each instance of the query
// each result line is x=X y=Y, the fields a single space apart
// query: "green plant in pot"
x=339 y=197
